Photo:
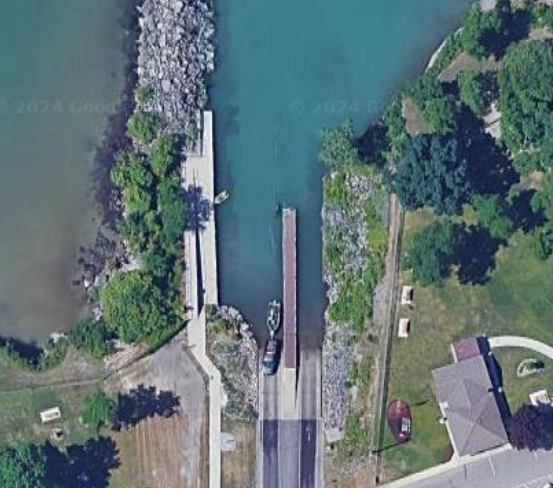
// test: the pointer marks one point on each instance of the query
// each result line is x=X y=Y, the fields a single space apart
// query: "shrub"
x=143 y=127
x=339 y=147
x=92 y=337
x=492 y=213
x=472 y=91
x=99 y=410
x=438 y=110
x=134 y=306
x=432 y=253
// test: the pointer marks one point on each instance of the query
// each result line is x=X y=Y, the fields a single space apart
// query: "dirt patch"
x=414 y=121
x=238 y=466
x=165 y=452
x=466 y=62
x=361 y=477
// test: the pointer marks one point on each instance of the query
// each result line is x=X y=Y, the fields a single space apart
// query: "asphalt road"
x=290 y=450
x=507 y=469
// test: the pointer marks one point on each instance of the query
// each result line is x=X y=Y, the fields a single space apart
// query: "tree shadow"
x=522 y=214
x=141 y=403
x=489 y=169
x=373 y=143
x=517 y=28
x=475 y=255
x=199 y=208
x=82 y=466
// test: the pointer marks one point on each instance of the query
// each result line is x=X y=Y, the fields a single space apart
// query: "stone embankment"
x=342 y=342
x=176 y=54
x=233 y=349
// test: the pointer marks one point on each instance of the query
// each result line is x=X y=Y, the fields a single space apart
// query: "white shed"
x=50 y=415
x=407 y=295
x=404 y=328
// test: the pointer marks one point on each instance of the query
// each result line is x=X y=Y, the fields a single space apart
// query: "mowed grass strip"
x=515 y=301
x=20 y=415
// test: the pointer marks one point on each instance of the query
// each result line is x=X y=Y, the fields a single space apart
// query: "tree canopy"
x=492 y=213
x=143 y=127
x=431 y=254
x=472 y=91
x=134 y=178
x=339 y=147
x=91 y=336
x=22 y=467
x=484 y=32
x=432 y=173
x=526 y=102
x=542 y=201
x=133 y=305
x=438 y=109
x=99 y=410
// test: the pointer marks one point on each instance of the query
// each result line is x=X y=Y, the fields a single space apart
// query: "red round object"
x=399 y=420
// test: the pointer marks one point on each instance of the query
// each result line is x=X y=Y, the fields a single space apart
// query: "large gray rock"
x=176 y=55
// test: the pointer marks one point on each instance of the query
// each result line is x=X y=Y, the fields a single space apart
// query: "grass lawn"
x=20 y=420
x=517 y=390
x=516 y=300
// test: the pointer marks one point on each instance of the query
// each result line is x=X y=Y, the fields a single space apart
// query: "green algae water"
x=61 y=75
x=287 y=69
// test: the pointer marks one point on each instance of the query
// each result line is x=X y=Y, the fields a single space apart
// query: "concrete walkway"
x=523 y=342
x=198 y=171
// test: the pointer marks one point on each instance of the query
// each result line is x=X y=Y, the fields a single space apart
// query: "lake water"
x=286 y=69
x=61 y=74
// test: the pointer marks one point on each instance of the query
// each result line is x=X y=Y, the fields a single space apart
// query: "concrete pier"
x=290 y=317
x=289 y=430
x=200 y=285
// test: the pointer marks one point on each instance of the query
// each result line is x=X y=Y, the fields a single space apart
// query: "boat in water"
x=222 y=197
x=274 y=316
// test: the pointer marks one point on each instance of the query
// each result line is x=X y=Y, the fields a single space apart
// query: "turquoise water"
x=286 y=69
x=61 y=73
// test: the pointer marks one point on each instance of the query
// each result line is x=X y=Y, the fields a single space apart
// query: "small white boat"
x=222 y=197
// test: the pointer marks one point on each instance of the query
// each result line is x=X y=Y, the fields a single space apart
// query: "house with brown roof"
x=469 y=401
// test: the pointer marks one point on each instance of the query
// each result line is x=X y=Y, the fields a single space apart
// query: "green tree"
x=472 y=90
x=493 y=213
x=542 y=240
x=433 y=174
x=98 y=411
x=396 y=130
x=339 y=147
x=484 y=32
x=144 y=94
x=143 y=127
x=164 y=155
x=542 y=201
x=91 y=336
x=22 y=467
x=526 y=102
x=172 y=211
x=438 y=110
x=432 y=253
x=133 y=305
x=132 y=176
x=529 y=69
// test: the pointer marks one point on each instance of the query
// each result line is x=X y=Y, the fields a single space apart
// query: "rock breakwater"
x=176 y=54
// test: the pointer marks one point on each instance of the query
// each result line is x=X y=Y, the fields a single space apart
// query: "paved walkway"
x=523 y=342
x=503 y=468
x=198 y=171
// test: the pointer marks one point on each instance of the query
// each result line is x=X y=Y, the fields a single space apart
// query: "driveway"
x=523 y=342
